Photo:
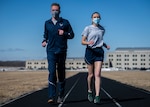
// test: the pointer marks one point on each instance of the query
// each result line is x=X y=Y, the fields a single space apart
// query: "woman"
x=92 y=36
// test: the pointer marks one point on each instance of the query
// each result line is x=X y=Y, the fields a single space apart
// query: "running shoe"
x=59 y=99
x=90 y=96
x=50 y=101
x=97 y=99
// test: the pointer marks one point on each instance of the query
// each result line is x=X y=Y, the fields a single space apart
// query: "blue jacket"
x=57 y=43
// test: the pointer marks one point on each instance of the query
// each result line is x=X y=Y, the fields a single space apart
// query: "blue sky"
x=127 y=24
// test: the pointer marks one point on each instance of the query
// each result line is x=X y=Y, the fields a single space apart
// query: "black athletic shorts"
x=93 y=55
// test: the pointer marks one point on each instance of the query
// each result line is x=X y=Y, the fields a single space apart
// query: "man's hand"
x=44 y=44
x=60 y=32
x=108 y=47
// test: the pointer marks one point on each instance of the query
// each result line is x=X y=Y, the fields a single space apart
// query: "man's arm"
x=44 y=42
x=69 y=34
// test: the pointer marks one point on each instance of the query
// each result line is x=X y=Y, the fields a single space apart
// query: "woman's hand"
x=84 y=41
x=90 y=42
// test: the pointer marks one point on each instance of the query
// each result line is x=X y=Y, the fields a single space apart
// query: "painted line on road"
x=111 y=97
x=61 y=104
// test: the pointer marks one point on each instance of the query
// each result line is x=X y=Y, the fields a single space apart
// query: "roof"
x=133 y=49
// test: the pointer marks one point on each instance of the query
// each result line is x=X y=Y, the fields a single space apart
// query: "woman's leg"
x=90 y=75
x=97 y=74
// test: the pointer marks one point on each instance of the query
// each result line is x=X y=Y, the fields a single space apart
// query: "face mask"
x=96 y=20
x=55 y=14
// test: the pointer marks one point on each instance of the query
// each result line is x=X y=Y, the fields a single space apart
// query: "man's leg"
x=61 y=74
x=52 y=76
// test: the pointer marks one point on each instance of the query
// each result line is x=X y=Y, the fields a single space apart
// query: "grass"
x=15 y=84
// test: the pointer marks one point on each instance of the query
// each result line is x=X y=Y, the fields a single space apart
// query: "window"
x=35 y=62
x=142 y=63
x=106 y=63
x=29 y=63
x=134 y=64
x=126 y=59
x=118 y=55
x=43 y=63
x=126 y=63
x=134 y=59
x=110 y=60
x=78 y=63
x=118 y=63
x=134 y=55
x=126 y=55
x=142 y=55
x=118 y=59
x=110 y=55
x=142 y=59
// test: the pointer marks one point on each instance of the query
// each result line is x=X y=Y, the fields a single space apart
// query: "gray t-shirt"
x=95 y=34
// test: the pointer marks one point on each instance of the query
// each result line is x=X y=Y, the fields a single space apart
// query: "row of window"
x=30 y=67
x=128 y=55
x=78 y=63
x=128 y=59
x=132 y=63
x=36 y=63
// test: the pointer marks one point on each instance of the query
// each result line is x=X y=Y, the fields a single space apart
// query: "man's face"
x=55 y=11
x=54 y=8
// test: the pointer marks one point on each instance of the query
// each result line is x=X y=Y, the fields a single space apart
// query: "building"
x=129 y=58
x=36 y=64
x=71 y=64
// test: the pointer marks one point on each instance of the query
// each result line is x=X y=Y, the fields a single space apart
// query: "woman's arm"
x=106 y=46
x=84 y=41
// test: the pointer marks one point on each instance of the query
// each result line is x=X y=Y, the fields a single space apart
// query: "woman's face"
x=95 y=19
x=95 y=16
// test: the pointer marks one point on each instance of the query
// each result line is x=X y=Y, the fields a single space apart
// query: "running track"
x=113 y=94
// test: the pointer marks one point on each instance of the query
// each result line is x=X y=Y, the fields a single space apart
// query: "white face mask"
x=96 y=20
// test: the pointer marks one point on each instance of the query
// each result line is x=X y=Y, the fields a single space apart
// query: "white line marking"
x=61 y=104
x=111 y=98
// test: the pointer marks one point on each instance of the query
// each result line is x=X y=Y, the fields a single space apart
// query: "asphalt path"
x=112 y=94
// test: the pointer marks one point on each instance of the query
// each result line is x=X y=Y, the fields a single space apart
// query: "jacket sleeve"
x=69 y=34
x=45 y=36
x=105 y=45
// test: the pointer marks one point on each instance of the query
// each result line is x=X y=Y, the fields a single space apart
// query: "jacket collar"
x=59 y=20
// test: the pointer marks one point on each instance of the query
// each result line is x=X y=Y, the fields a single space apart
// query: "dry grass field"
x=15 y=84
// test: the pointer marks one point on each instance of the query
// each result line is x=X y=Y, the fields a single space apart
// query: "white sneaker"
x=60 y=99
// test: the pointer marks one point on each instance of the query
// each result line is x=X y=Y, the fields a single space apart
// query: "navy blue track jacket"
x=57 y=43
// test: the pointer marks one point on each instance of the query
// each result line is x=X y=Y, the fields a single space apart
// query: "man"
x=57 y=31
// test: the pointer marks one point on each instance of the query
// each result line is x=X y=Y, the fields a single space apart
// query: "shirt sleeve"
x=85 y=32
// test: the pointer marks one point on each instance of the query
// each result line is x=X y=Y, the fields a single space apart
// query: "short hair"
x=55 y=4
